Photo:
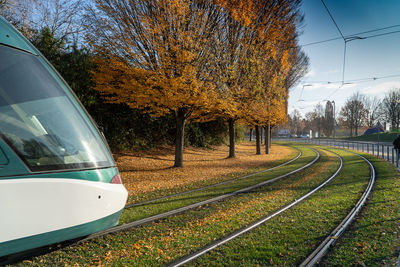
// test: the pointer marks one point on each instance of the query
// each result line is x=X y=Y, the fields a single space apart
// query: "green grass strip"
x=374 y=239
x=288 y=238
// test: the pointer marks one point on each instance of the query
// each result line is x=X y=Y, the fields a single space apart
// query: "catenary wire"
x=357 y=34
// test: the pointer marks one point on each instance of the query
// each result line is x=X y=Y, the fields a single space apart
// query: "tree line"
x=171 y=65
x=359 y=111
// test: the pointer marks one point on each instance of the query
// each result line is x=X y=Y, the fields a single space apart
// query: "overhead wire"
x=381 y=34
x=341 y=34
x=359 y=80
x=347 y=39
x=356 y=34
x=337 y=27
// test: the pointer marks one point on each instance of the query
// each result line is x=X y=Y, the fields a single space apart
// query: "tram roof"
x=11 y=37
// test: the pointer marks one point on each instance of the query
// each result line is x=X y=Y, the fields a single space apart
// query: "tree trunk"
x=267 y=139
x=179 y=137
x=251 y=134
x=258 y=144
x=270 y=135
x=231 y=138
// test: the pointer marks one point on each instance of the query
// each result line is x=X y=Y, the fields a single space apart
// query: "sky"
x=368 y=58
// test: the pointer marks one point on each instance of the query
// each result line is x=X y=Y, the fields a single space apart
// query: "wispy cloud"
x=380 y=89
x=311 y=73
x=331 y=72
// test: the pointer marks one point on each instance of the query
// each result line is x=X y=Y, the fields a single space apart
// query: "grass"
x=139 y=212
x=374 y=239
x=161 y=242
x=149 y=174
x=288 y=238
x=383 y=137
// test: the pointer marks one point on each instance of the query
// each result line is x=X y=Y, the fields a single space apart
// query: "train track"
x=214 y=185
x=160 y=216
x=43 y=250
x=253 y=225
x=329 y=241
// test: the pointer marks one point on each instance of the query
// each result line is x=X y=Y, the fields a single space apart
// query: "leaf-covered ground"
x=174 y=202
x=147 y=174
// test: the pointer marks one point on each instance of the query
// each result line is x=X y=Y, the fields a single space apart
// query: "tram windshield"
x=39 y=121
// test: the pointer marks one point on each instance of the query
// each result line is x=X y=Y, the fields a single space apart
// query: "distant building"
x=283 y=133
x=373 y=130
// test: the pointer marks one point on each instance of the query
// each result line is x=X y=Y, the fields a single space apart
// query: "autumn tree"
x=294 y=122
x=156 y=56
x=272 y=66
x=391 y=108
x=60 y=17
x=373 y=108
x=328 y=119
x=353 y=113
x=310 y=122
x=230 y=52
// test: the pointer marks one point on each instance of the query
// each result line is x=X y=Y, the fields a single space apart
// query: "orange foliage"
x=197 y=59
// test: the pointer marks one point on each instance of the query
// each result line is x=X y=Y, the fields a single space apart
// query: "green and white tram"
x=58 y=180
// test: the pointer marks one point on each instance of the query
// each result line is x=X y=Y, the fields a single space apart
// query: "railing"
x=381 y=150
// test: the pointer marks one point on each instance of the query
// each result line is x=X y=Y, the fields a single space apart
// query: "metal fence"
x=381 y=150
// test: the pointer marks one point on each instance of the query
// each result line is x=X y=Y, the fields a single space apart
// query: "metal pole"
x=377 y=150
x=387 y=155
x=367 y=148
x=373 y=150
x=383 y=152
x=334 y=107
x=392 y=155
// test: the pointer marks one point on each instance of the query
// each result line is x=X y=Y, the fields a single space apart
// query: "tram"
x=58 y=180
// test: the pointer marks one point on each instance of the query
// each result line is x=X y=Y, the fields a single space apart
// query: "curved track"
x=216 y=184
x=255 y=224
x=323 y=248
x=126 y=226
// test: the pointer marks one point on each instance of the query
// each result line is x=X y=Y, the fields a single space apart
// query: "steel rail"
x=216 y=184
x=126 y=226
x=255 y=224
x=325 y=245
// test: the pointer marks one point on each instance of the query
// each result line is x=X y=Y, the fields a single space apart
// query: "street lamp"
x=334 y=107
x=301 y=94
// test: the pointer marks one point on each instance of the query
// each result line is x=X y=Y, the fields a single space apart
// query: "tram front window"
x=39 y=121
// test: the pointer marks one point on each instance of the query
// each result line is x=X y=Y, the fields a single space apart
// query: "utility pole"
x=334 y=106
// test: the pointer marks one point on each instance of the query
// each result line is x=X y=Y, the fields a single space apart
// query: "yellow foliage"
x=204 y=58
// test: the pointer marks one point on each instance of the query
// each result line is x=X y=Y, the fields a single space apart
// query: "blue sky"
x=373 y=57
